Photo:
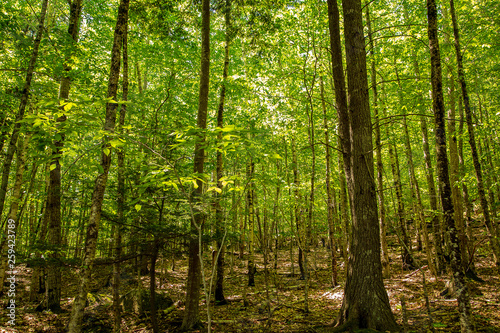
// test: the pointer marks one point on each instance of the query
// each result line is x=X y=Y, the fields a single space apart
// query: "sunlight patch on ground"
x=338 y=295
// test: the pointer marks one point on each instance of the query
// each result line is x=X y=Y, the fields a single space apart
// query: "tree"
x=191 y=313
x=365 y=304
x=458 y=276
x=101 y=180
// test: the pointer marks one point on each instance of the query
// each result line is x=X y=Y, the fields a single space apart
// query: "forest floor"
x=279 y=307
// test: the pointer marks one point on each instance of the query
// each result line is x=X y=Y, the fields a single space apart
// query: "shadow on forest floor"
x=248 y=309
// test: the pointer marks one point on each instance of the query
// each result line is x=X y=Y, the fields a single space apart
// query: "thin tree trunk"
x=11 y=149
x=14 y=208
x=191 y=313
x=120 y=201
x=378 y=146
x=251 y=225
x=54 y=194
x=458 y=276
x=77 y=310
x=492 y=232
x=219 y=215
x=330 y=191
x=435 y=221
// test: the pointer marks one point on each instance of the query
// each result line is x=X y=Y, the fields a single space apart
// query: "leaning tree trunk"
x=365 y=305
x=14 y=208
x=492 y=232
x=343 y=115
x=219 y=215
x=191 y=313
x=7 y=162
x=458 y=277
x=101 y=180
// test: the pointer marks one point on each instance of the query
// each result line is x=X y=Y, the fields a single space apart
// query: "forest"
x=249 y=166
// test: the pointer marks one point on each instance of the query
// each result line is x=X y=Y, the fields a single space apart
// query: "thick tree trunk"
x=191 y=313
x=77 y=310
x=458 y=276
x=365 y=305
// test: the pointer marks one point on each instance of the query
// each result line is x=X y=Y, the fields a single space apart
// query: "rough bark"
x=191 y=313
x=77 y=310
x=458 y=276
x=365 y=303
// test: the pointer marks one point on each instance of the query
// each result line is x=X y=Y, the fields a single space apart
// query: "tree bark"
x=365 y=303
x=11 y=149
x=458 y=277
x=191 y=313
x=491 y=228
x=330 y=192
x=219 y=215
x=77 y=310
x=378 y=147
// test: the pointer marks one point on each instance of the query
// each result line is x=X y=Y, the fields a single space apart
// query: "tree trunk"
x=435 y=221
x=492 y=232
x=458 y=276
x=251 y=225
x=191 y=313
x=54 y=193
x=365 y=305
x=219 y=214
x=77 y=310
x=330 y=192
x=378 y=147
x=11 y=149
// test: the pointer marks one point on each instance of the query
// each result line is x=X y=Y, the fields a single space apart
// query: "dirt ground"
x=275 y=306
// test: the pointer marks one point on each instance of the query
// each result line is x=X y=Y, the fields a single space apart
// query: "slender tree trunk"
x=191 y=313
x=101 y=180
x=378 y=146
x=251 y=225
x=298 y=215
x=219 y=215
x=14 y=208
x=435 y=222
x=11 y=149
x=458 y=276
x=365 y=305
x=54 y=194
x=330 y=191
x=343 y=115
x=492 y=232
x=120 y=201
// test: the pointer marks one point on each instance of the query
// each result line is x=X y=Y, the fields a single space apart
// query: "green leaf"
x=106 y=151
x=137 y=207
x=52 y=167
